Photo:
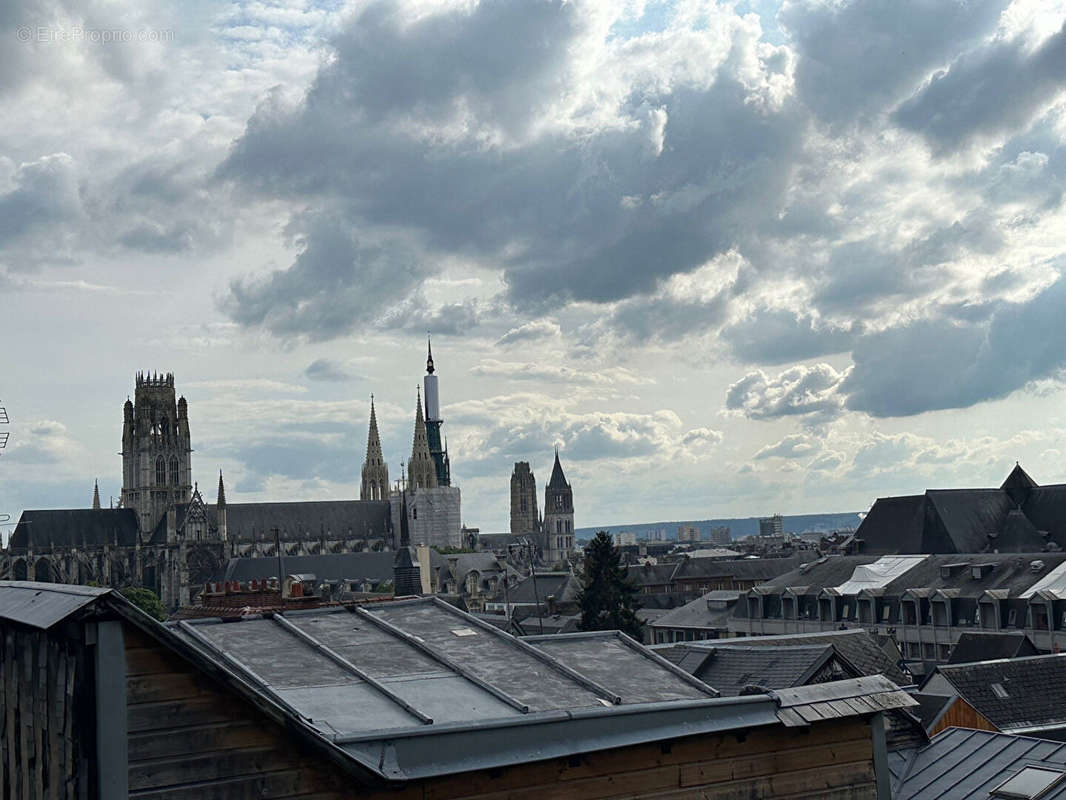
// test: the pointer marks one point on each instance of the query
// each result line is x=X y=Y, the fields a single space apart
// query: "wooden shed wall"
x=832 y=760
x=961 y=714
x=192 y=739
x=40 y=688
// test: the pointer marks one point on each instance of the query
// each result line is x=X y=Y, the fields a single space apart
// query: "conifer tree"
x=608 y=600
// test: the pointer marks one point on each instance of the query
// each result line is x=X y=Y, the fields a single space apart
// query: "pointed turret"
x=429 y=357
x=558 y=526
x=558 y=479
x=421 y=469
x=96 y=496
x=1018 y=485
x=375 y=484
x=220 y=509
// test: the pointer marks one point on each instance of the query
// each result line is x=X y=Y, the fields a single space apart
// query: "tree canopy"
x=146 y=600
x=608 y=600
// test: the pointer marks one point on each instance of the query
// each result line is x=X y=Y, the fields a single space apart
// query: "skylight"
x=1028 y=784
x=999 y=691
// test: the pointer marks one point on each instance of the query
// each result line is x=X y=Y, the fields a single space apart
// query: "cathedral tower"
x=523 y=499
x=156 y=450
x=558 y=535
x=421 y=469
x=375 y=472
x=433 y=423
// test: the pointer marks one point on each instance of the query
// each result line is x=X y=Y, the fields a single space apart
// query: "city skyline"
x=726 y=262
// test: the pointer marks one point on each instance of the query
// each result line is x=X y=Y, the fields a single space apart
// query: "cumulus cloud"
x=811 y=392
x=557 y=373
x=530 y=331
x=795 y=445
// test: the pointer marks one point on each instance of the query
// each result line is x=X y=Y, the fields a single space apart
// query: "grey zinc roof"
x=563 y=586
x=963 y=764
x=1035 y=688
x=622 y=665
x=43 y=605
x=816 y=573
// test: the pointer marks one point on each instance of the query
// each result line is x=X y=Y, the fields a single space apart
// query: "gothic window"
x=19 y=571
x=160 y=472
x=568 y=524
x=523 y=505
x=558 y=501
x=174 y=471
x=42 y=571
x=558 y=526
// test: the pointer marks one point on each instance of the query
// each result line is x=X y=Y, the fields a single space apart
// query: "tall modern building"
x=524 y=516
x=558 y=531
x=771 y=526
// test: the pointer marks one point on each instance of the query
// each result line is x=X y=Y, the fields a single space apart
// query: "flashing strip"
x=440 y=658
x=341 y=661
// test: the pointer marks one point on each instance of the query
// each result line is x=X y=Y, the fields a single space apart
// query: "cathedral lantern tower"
x=156 y=450
x=433 y=423
x=375 y=484
x=558 y=532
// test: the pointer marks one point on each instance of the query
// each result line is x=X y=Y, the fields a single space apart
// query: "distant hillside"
x=796 y=523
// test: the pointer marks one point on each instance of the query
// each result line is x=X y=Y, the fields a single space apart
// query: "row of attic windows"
x=964 y=613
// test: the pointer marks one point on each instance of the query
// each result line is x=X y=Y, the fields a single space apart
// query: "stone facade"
x=557 y=536
x=524 y=516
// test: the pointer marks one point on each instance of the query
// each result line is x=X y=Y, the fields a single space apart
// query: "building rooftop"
x=1020 y=695
x=414 y=689
x=963 y=764
x=732 y=668
x=987 y=645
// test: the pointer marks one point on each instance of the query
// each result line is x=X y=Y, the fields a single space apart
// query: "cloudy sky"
x=733 y=258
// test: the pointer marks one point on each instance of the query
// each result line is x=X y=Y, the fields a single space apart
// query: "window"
x=558 y=526
x=1012 y=618
x=1029 y=783
x=160 y=472
x=173 y=471
x=886 y=613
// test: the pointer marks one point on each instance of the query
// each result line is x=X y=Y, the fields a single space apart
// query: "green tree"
x=608 y=600
x=146 y=600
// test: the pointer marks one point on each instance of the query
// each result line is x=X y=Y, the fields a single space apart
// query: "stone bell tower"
x=156 y=450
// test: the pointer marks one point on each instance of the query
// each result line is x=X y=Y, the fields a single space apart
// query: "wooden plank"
x=268 y=786
x=634 y=783
x=40 y=716
x=26 y=715
x=179 y=713
x=69 y=752
x=201 y=738
x=159 y=688
x=826 y=756
x=55 y=753
x=4 y=675
x=205 y=767
x=152 y=661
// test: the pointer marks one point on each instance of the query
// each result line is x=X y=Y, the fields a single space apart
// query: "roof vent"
x=1036 y=566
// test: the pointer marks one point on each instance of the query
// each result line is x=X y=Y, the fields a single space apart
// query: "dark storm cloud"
x=939 y=363
x=990 y=91
x=45 y=196
x=858 y=58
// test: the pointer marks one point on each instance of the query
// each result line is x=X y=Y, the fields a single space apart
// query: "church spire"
x=221 y=503
x=375 y=484
x=96 y=496
x=421 y=469
x=429 y=358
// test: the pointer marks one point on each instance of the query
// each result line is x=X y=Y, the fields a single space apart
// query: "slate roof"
x=825 y=571
x=558 y=479
x=75 y=527
x=361 y=519
x=962 y=764
x=743 y=569
x=1019 y=516
x=372 y=566
x=730 y=668
x=698 y=614
x=856 y=645
x=1035 y=688
x=989 y=645
x=562 y=585
x=931 y=707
